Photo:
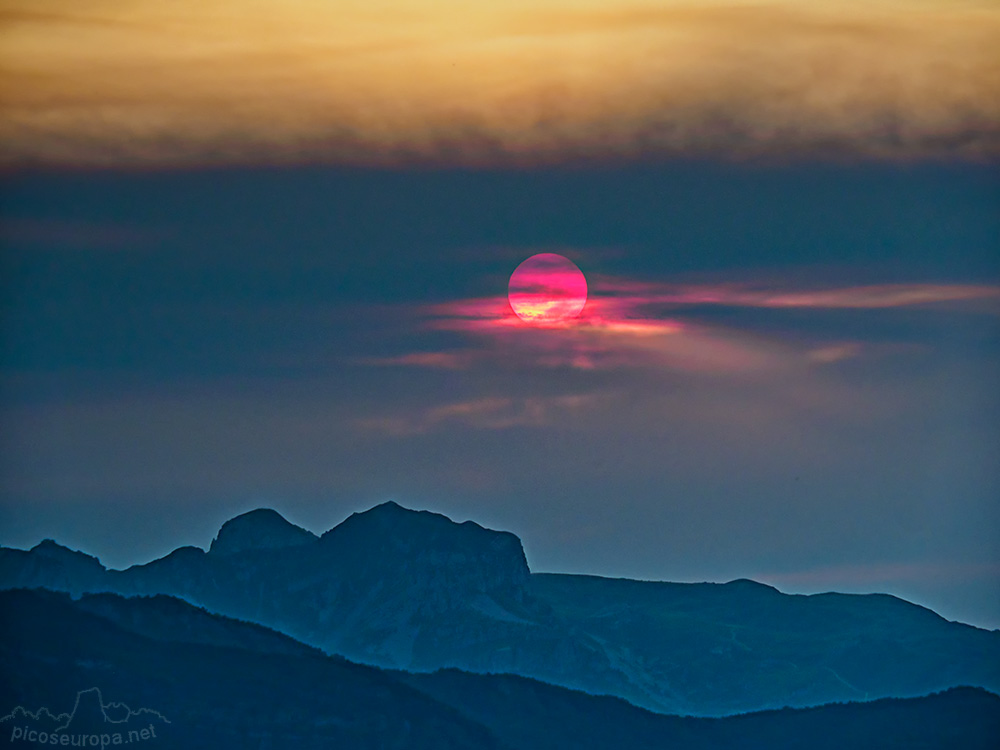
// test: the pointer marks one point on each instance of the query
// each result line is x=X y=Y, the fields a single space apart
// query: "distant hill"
x=259 y=529
x=411 y=590
x=204 y=681
x=532 y=715
x=218 y=682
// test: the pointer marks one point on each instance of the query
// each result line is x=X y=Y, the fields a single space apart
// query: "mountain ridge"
x=413 y=590
x=228 y=693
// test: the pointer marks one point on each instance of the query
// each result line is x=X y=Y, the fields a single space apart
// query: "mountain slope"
x=208 y=681
x=413 y=590
x=716 y=643
x=532 y=715
x=213 y=696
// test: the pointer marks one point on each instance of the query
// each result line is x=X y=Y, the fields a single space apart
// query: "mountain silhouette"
x=60 y=567
x=224 y=693
x=259 y=529
x=220 y=681
x=415 y=591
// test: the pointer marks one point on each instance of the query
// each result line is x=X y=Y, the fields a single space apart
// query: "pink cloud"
x=835 y=352
x=873 y=297
x=637 y=324
x=608 y=334
x=638 y=295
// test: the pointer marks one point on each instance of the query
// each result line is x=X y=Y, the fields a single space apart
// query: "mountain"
x=59 y=567
x=531 y=715
x=401 y=589
x=217 y=695
x=715 y=644
x=166 y=618
x=258 y=530
x=197 y=680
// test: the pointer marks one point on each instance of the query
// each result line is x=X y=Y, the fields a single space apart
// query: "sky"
x=256 y=255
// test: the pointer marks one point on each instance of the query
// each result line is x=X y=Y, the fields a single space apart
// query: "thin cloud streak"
x=638 y=296
x=221 y=82
x=436 y=360
x=491 y=413
x=630 y=324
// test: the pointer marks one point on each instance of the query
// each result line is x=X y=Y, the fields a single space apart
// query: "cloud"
x=437 y=360
x=603 y=337
x=629 y=324
x=634 y=296
x=491 y=413
x=835 y=352
x=221 y=81
x=872 y=297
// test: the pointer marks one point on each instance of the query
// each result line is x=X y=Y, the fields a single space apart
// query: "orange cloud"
x=126 y=82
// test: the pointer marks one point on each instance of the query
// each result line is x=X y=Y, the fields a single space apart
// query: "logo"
x=91 y=723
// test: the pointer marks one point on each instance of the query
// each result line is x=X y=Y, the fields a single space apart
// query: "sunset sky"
x=257 y=254
x=383 y=81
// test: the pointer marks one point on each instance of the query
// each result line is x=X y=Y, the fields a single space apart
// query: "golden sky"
x=134 y=82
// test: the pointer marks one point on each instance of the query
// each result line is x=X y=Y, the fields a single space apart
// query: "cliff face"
x=406 y=589
x=429 y=551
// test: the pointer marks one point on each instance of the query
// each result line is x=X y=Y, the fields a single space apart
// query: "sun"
x=547 y=289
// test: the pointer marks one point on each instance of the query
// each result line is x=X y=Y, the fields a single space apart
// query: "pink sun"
x=546 y=289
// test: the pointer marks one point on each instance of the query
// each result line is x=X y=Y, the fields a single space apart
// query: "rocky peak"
x=260 y=529
x=51 y=550
x=390 y=535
